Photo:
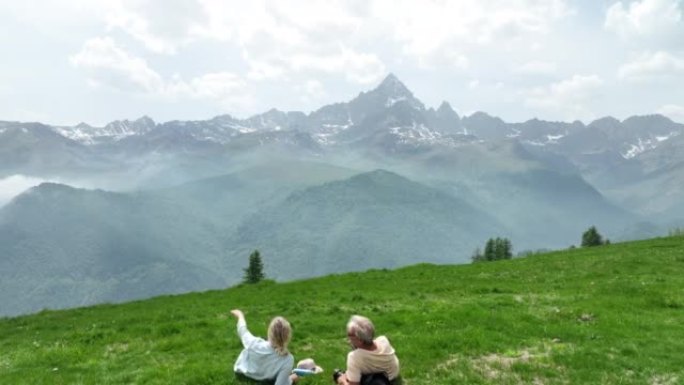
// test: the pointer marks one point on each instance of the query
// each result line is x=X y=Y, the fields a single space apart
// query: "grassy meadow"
x=606 y=315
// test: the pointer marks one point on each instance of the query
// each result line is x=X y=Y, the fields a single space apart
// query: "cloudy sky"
x=67 y=61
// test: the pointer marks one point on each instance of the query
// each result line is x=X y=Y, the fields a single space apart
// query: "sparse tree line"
x=676 y=232
x=495 y=249
x=498 y=248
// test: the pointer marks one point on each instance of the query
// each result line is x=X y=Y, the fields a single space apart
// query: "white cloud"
x=311 y=90
x=110 y=65
x=295 y=37
x=263 y=70
x=672 y=111
x=653 y=66
x=571 y=98
x=55 y=16
x=236 y=53
x=210 y=86
x=299 y=37
x=226 y=89
x=645 y=18
x=457 y=60
x=537 y=68
x=161 y=25
x=326 y=36
x=359 y=67
x=434 y=26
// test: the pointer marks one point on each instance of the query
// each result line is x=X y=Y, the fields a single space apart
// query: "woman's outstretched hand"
x=237 y=313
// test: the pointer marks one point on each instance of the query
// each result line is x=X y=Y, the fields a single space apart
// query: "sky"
x=71 y=61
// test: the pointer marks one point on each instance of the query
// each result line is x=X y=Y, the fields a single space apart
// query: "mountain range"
x=379 y=181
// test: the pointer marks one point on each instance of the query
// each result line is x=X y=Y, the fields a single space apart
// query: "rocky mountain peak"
x=605 y=121
x=445 y=110
x=145 y=123
x=122 y=128
x=84 y=125
x=393 y=87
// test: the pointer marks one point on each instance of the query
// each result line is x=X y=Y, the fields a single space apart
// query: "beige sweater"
x=381 y=360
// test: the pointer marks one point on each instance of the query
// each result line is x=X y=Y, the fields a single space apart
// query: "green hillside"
x=606 y=315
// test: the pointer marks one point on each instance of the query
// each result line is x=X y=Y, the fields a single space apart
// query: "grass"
x=605 y=315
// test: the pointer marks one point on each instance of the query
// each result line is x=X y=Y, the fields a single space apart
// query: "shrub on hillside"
x=592 y=237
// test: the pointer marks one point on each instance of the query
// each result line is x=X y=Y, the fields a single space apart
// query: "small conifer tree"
x=506 y=249
x=254 y=272
x=490 y=250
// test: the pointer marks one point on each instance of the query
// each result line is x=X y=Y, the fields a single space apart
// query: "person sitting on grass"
x=372 y=361
x=263 y=360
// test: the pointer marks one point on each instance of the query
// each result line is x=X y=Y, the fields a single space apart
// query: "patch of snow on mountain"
x=115 y=131
x=549 y=139
x=75 y=133
x=328 y=131
x=244 y=129
x=416 y=132
x=535 y=143
x=516 y=133
x=392 y=101
x=336 y=127
x=635 y=150
x=221 y=133
x=420 y=134
x=666 y=137
x=324 y=139
x=646 y=144
x=553 y=138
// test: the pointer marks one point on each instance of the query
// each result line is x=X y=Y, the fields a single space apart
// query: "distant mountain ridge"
x=385 y=121
x=392 y=106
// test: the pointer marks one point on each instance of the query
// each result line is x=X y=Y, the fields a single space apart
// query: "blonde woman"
x=265 y=360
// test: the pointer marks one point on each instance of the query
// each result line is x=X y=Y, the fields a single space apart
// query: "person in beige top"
x=370 y=357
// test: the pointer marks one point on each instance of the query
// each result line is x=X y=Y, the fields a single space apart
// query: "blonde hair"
x=362 y=328
x=279 y=334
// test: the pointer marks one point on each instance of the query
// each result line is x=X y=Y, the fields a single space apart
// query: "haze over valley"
x=379 y=181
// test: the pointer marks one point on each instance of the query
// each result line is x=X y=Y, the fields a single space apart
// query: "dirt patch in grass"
x=511 y=367
x=665 y=379
x=115 y=349
x=5 y=363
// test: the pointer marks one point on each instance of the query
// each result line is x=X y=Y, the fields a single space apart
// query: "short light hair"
x=362 y=328
x=279 y=334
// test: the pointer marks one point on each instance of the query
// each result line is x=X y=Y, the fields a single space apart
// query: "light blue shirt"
x=259 y=361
